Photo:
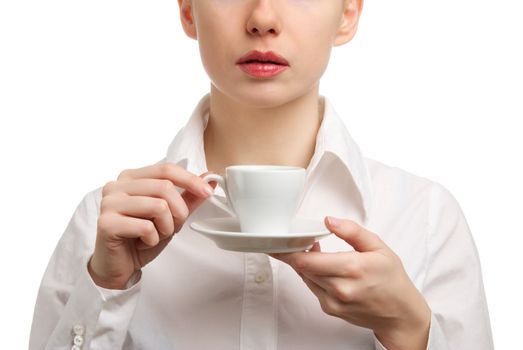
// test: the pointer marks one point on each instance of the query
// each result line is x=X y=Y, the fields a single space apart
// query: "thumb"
x=194 y=201
x=354 y=234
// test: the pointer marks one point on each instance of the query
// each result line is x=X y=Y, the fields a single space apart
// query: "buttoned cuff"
x=437 y=340
x=95 y=317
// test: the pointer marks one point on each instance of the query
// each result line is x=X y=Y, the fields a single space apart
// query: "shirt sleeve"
x=71 y=311
x=453 y=284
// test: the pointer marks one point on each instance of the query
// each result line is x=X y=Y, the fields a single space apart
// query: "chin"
x=263 y=100
x=263 y=97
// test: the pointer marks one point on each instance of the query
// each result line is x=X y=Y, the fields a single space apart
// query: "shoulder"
x=381 y=172
x=401 y=188
x=392 y=178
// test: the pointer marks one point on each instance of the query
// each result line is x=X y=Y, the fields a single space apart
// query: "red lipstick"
x=262 y=64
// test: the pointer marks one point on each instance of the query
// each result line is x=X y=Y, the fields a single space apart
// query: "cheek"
x=313 y=45
x=213 y=43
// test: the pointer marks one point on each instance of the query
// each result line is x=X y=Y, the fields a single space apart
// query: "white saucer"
x=226 y=234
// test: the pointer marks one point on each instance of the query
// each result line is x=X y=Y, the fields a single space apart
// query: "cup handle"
x=214 y=200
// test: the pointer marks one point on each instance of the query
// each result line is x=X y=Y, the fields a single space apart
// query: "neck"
x=241 y=134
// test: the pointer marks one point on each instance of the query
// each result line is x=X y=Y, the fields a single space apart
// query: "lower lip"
x=262 y=70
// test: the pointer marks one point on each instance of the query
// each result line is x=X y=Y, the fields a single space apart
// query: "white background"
x=90 y=88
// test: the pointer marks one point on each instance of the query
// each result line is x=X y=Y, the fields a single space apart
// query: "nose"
x=263 y=18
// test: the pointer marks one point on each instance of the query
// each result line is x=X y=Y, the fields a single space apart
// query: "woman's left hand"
x=367 y=287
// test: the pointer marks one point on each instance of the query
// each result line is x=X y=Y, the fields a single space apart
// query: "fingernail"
x=208 y=189
x=333 y=222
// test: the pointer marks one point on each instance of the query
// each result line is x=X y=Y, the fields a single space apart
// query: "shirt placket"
x=257 y=321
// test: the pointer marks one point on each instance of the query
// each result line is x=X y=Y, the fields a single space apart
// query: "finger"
x=316 y=247
x=314 y=287
x=328 y=303
x=354 y=234
x=140 y=245
x=172 y=172
x=336 y=287
x=331 y=304
x=343 y=264
x=156 y=188
x=116 y=226
x=150 y=208
x=193 y=201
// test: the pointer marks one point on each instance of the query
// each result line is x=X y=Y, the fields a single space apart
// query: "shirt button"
x=260 y=277
x=78 y=340
x=79 y=329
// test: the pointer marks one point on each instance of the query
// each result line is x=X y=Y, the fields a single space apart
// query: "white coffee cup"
x=264 y=198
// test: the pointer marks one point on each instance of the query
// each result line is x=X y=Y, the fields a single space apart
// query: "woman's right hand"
x=140 y=213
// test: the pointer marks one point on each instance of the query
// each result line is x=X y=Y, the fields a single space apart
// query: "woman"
x=399 y=272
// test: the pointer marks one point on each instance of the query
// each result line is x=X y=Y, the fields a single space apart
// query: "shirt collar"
x=187 y=148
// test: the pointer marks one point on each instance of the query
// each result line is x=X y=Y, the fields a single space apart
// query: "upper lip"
x=268 y=56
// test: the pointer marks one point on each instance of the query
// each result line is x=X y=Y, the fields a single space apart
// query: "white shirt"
x=197 y=296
